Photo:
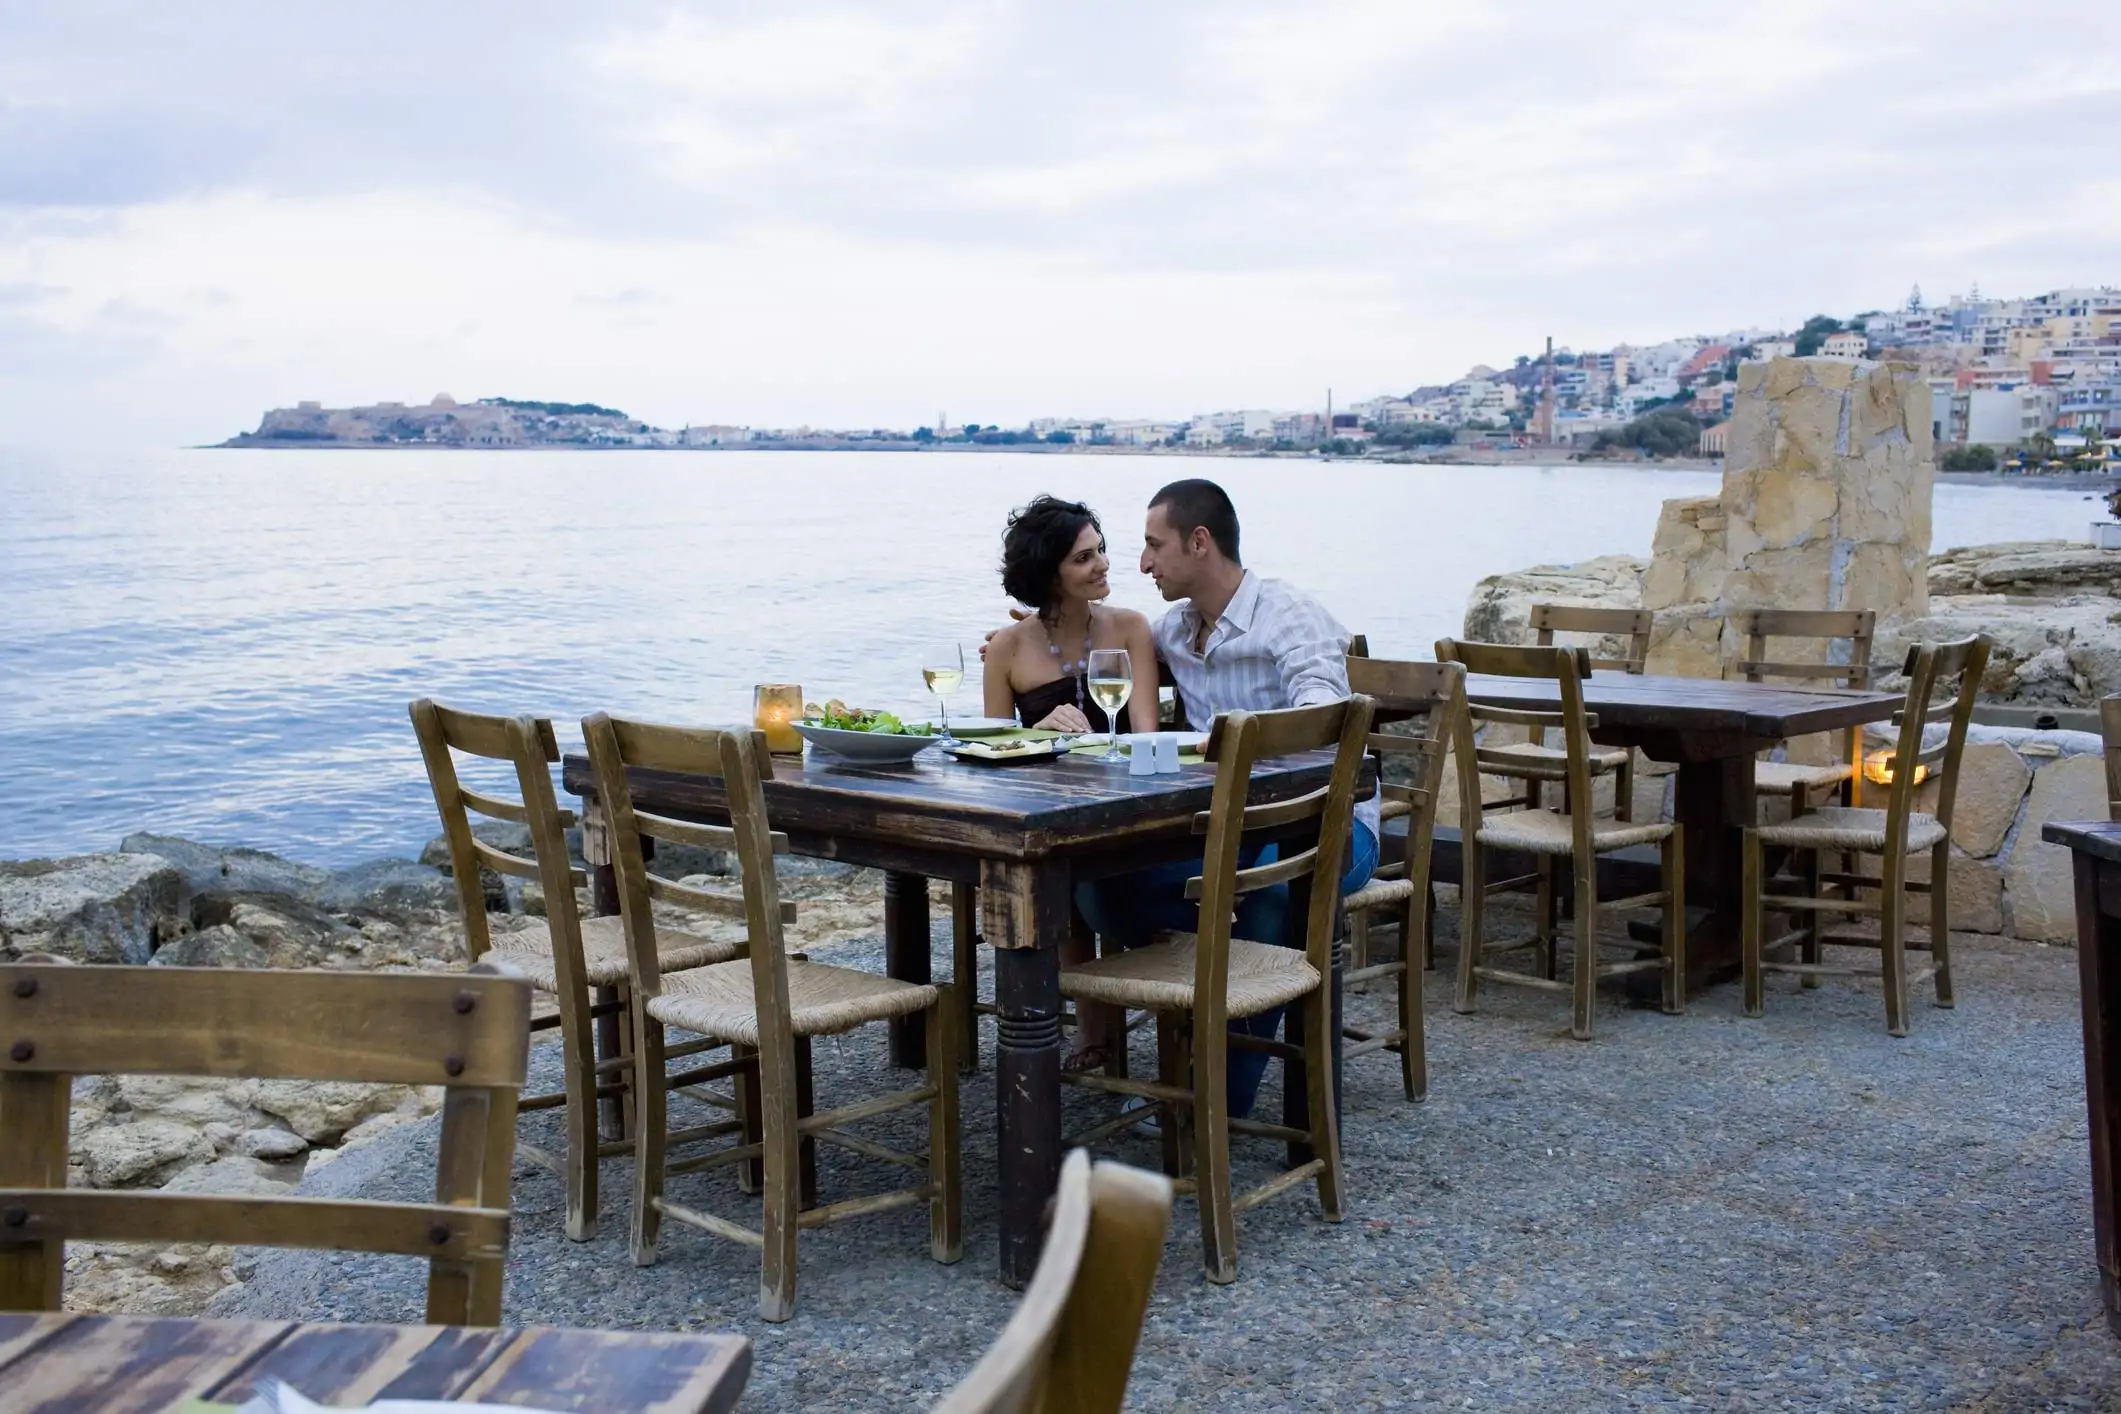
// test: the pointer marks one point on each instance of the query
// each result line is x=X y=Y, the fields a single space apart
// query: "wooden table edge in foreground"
x=63 y=1362
x=2095 y=850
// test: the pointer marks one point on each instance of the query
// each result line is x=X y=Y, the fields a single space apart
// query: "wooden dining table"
x=64 y=1363
x=2095 y=857
x=1024 y=834
x=1713 y=730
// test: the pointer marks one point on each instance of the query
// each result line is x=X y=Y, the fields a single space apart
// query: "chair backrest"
x=1633 y=625
x=529 y=745
x=738 y=759
x=1849 y=668
x=1953 y=672
x=1070 y=1345
x=2110 y=732
x=1844 y=667
x=1238 y=742
x=469 y=1033
x=1436 y=693
x=1567 y=668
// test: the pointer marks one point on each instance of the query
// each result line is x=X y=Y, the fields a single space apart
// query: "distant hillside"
x=445 y=422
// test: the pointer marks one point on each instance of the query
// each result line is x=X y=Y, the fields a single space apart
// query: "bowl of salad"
x=864 y=734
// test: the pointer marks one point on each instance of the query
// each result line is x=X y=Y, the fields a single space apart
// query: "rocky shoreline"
x=163 y=901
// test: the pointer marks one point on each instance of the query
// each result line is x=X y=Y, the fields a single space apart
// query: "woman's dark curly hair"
x=1037 y=540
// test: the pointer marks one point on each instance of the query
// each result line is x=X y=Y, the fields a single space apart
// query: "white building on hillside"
x=1845 y=343
x=1231 y=426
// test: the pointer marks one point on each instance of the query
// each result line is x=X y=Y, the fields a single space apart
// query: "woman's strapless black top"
x=1033 y=705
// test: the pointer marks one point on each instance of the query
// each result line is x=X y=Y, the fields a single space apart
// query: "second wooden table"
x=1713 y=730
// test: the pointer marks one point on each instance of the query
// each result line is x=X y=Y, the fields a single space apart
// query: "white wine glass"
x=943 y=670
x=1111 y=684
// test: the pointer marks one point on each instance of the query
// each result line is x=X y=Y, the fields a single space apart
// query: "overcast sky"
x=868 y=214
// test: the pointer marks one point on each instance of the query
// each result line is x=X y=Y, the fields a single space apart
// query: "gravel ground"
x=1700 y=1212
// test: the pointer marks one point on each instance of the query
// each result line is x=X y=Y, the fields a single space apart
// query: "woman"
x=1038 y=668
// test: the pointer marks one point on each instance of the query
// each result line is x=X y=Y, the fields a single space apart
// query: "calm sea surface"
x=222 y=644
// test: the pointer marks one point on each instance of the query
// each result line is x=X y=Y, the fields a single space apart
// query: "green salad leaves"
x=840 y=717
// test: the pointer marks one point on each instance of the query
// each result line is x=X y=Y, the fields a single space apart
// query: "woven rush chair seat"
x=823 y=1000
x=604 y=952
x=1785 y=777
x=1850 y=828
x=1552 y=762
x=1379 y=892
x=1542 y=832
x=1160 y=976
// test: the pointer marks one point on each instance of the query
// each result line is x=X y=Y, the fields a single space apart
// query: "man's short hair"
x=1197 y=502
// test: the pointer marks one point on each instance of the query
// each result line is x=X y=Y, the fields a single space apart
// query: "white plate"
x=979 y=726
x=871 y=747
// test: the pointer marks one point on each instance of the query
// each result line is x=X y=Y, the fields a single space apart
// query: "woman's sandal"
x=1093 y=1057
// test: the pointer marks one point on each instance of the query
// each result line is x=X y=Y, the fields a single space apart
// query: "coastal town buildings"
x=2002 y=373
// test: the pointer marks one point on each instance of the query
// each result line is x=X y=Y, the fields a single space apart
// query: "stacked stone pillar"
x=1825 y=505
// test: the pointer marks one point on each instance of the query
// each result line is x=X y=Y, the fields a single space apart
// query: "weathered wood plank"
x=355 y=1365
x=119 y=1365
x=260 y=1025
x=20 y=1334
x=639 y=1372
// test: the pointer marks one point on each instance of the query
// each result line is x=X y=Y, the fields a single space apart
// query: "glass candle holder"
x=776 y=706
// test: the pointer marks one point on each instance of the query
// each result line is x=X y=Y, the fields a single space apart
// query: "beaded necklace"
x=1077 y=671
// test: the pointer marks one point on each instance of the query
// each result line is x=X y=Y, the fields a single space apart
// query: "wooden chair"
x=1534 y=761
x=1893 y=833
x=469 y=1034
x=1069 y=1348
x=1196 y=982
x=1436 y=692
x=1806 y=784
x=569 y=958
x=767 y=1006
x=2110 y=732
x=1578 y=837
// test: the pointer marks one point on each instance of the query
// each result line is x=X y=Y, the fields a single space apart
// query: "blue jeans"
x=1130 y=909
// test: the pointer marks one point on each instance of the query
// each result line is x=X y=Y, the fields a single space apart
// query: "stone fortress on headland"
x=445 y=422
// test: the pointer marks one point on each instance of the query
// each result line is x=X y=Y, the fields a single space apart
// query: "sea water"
x=222 y=644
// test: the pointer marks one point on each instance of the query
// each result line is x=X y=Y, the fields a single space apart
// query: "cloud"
x=833 y=212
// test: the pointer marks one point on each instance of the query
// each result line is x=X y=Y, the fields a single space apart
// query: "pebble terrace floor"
x=1701 y=1212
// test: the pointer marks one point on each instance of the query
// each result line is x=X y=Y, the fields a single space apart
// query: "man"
x=1234 y=642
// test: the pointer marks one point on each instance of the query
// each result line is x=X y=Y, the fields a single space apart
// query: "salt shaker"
x=1141 y=761
x=1167 y=753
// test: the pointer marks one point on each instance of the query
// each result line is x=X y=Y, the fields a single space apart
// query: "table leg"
x=2098 y=952
x=611 y=1110
x=907 y=957
x=1713 y=801
x=1024 y=911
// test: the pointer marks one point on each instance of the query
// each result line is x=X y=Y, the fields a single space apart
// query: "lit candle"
x=1878 y=768
x=775 y=708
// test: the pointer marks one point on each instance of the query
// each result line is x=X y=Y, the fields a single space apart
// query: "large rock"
x=2037 y=875
x=2045 y=568
x=233 y=1176
x=91 y=907
x=217 y=946
x=321 y=1111
x=1992 y=783
x=385 y=886
x=2046 y=652
x=1500 y=608
x=209 y=868
x=142 y=1152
